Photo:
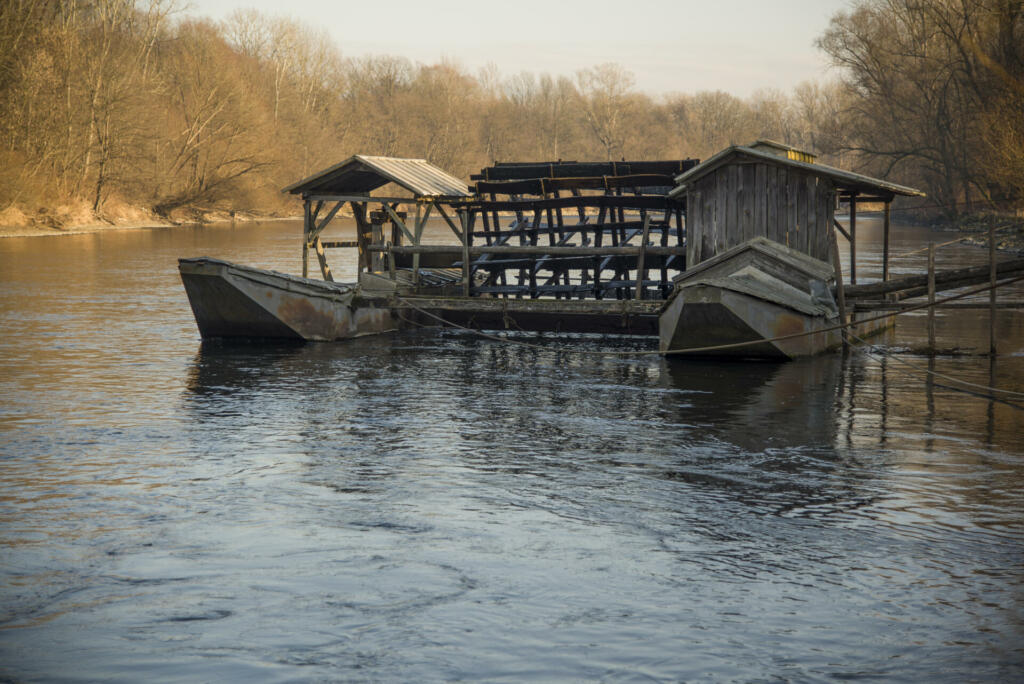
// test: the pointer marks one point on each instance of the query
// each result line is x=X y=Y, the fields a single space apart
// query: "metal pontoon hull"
x=230 y=300
x=706 y=316
x=759 y=290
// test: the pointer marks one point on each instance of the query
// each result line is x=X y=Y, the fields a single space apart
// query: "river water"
x=432 y=506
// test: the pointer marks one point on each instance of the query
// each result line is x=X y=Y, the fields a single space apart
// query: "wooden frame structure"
x=575 y=230
x=588 y=246
x=562 y=230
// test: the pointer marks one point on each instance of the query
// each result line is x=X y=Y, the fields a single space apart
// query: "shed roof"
x=844 y=180
x=362 y=174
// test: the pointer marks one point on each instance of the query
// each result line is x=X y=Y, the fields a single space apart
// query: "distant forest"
x=107 y=103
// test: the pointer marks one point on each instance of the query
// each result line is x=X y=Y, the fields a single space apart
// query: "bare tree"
x=605 y=91
x=923 y=77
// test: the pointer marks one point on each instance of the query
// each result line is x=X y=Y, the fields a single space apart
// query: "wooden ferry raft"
x=741 y=248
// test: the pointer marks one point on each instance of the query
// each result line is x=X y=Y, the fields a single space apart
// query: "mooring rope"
x=718 y=347
x=867 y=349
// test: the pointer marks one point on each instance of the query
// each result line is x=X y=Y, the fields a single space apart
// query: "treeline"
x=106 y=102
x=933 y=94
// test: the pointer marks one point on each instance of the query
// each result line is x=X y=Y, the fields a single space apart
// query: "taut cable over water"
x=849 y=326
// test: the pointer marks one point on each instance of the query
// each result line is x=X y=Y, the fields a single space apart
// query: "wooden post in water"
x=417 y=232
x=885 y=241
x=840 y=288
x=853 y=239
x=466 y=271
x=931 y=297
x=641 y=268
x=992 y=290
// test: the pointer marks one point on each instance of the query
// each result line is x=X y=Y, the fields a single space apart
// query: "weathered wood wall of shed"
x=741 y=201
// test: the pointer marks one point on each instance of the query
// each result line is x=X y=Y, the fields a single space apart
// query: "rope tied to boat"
x=846 y=327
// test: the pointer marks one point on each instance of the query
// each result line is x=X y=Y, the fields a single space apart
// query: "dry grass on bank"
x=77 y=218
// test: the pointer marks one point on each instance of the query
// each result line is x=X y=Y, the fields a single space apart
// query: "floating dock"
x=736 y=251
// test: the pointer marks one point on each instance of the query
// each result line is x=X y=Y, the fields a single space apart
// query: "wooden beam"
x=361 y=198
x=867 y=198
x=398 y=222
x=325 y=270
x=886 y=222
x=992 y=292
x=327 y=219
x=840 y=288
x=306 y=222
x=531 y=250
x=447 y=220
x=853 y=240
x=916 y=285
x=641 y=272
x=538 y=186
x=622 y=308
x=880 y=305
x=931 y=296
x=421 y=221
x=659 y=202
x=466 y=266
x=842 y=231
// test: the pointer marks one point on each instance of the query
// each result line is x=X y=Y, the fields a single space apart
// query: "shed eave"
x=844 y=179
x=417 y=176
x=295 y=188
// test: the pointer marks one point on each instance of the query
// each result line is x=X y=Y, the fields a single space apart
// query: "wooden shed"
x=745 y=192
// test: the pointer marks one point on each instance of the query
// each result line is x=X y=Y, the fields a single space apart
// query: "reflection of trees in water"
x=919 y=423
x=760 y=404
x=767 y=436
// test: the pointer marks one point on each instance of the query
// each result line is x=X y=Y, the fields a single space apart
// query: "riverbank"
x=75 y=220
x=1009 y=232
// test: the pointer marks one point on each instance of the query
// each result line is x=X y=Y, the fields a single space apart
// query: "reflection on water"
x=434 y=506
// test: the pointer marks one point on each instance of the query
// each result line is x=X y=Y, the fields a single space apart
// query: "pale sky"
x=738 y=46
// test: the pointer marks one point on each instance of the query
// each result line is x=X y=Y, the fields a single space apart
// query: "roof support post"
x=362 y=228
x=931 y=297
x=885 y=240
x=641 y=269
x=306 y=221
x=840 y=288
x=853 y=238
x=466 y=271
x=992 y=288
x=421 y=221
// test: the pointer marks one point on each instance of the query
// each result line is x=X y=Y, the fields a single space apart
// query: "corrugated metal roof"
x=846 y=180
x=363 y=173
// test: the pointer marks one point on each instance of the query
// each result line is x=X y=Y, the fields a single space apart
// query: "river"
x=432 y=506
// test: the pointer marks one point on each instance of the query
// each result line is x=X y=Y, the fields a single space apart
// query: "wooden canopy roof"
x=846 y=182
x=362 y=174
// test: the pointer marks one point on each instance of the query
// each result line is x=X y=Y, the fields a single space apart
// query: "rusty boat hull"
x=760 y=294
x=235 y=301
x=707 y=316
